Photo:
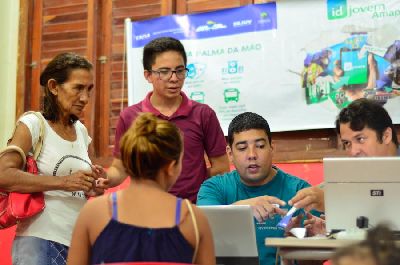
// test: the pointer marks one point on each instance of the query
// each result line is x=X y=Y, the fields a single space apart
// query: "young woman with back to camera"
x=144 y=222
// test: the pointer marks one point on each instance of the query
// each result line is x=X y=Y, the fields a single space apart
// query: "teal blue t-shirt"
x=227 y=189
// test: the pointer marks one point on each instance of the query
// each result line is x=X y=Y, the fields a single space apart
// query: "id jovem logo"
x=337 y=9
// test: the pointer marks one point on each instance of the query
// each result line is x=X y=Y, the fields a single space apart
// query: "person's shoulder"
x=80 y=125
x=34 y=121
x=291 y=178
x=130 y=113
x=201 y=106
x=205 y=113
x=133 y=109
x=31 y=117
x=82 y=128
x=201 y=218
x=223 y=179
x=198 y=212
x=284 y=174
x=98 y=209
x=219 y=189
x=96 y=203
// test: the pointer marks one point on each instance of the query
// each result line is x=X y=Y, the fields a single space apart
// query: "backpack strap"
x=196 y=229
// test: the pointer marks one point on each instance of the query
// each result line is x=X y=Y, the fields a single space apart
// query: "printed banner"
x=297 y=63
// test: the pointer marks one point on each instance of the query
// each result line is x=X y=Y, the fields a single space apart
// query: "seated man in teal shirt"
x=255 y=182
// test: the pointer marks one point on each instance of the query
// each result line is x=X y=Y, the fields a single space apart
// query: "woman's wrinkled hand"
x=80 y=180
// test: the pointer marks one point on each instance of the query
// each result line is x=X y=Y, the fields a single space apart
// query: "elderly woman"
x=67 y=175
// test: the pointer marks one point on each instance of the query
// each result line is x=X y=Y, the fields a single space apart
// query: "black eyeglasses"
x=166 y=74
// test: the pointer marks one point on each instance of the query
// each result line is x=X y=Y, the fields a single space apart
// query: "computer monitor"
x=234 y=234
x=366 y=188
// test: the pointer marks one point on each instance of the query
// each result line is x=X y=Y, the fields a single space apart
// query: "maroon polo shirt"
x=201 y=132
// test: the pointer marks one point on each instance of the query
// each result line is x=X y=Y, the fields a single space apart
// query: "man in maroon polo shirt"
x=164 y=62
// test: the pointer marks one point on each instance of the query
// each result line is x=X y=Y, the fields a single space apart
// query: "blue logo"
x=211 y=25
x=242 y=23
x=233 y=68
x=337 y=9
x=264 y=18
x=196 y=70
x=143 y=36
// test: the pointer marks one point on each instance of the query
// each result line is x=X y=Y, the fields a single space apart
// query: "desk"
x=291 y=248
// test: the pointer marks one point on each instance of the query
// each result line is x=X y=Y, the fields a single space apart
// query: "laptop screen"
x=365 y=188
x=234 y=235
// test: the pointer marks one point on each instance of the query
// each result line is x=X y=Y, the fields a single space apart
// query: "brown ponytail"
x=148 y=145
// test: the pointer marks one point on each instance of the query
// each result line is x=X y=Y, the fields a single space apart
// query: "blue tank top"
x=120 y=242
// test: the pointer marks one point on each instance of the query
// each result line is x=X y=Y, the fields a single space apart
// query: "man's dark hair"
x=245 y=122
x=363 y=113
x=59 y=69
x=158 y=46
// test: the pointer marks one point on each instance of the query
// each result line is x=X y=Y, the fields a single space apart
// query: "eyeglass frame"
x=171 y=73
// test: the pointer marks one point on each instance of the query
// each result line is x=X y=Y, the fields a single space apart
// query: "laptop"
x=365 y=189
x=234 y=234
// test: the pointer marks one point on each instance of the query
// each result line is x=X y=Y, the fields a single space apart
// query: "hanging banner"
x=297 y=63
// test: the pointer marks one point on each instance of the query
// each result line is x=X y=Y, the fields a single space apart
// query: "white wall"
x=9 y=21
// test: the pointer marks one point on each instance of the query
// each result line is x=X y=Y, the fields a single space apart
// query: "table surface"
x=291 y=248
x=292 y=242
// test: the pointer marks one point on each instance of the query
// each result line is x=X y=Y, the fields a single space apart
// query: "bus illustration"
x=231 y=94
x=197 y=96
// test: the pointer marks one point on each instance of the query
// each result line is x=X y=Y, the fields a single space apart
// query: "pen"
x=286 y=219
